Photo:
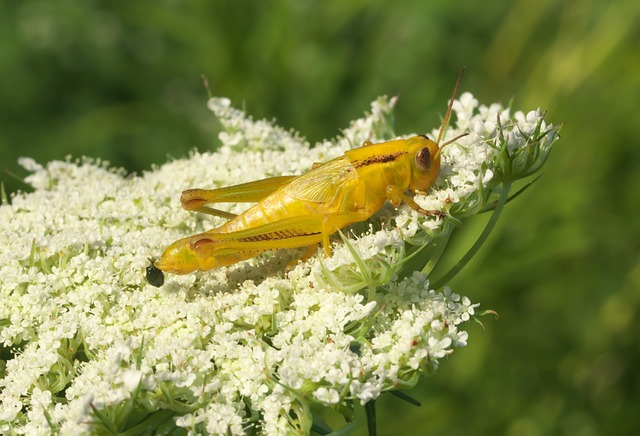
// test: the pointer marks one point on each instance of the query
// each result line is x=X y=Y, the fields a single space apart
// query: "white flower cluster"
x=86 y=342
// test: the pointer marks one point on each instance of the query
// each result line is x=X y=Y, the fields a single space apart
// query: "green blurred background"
x=122 y=82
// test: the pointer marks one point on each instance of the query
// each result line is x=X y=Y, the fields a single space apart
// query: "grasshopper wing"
x=321 y=184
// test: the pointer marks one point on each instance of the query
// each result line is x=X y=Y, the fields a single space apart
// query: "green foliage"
x=122 y=82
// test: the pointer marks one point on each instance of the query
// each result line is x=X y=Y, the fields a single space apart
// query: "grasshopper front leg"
x=396 y=197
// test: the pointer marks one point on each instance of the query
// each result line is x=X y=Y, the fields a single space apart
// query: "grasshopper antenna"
x=205 y=81
x=448 y=115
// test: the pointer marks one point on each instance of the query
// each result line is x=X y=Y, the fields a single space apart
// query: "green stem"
x=455 y=269
x=435 y=257
x=370 y=409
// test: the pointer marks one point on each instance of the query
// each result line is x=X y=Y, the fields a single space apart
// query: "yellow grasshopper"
x=303 y=211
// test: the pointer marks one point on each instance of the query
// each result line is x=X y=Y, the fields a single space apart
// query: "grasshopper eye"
x=423 y=159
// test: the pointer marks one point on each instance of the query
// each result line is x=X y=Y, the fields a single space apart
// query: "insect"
x=303 y=211
x=154 y=276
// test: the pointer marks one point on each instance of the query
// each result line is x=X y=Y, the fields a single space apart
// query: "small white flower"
x=29 y=164
x=132 y=378
x=328 y=396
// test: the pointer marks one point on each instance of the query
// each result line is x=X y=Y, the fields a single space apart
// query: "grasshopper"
x=303 y=211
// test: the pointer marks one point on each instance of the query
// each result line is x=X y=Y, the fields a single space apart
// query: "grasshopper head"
x=425 y=163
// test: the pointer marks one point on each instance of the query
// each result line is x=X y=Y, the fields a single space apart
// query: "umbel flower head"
x=89 y=345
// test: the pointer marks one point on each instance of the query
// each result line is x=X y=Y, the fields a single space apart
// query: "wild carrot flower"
x=88 y=344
